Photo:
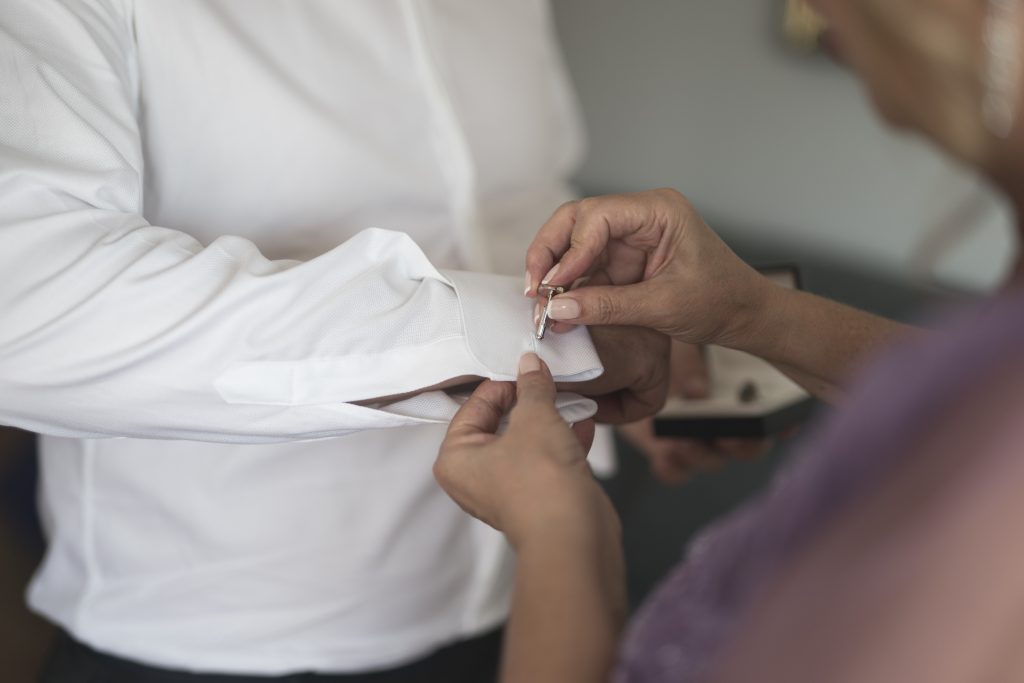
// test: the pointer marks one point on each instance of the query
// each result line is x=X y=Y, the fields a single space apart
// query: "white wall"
x=704 y=96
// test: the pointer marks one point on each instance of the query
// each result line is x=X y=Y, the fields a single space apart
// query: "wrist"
x=775 y=324
x=593 y=549
x=754 y=317
x=576 y=526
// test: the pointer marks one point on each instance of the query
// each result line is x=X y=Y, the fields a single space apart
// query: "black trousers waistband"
x=469 y=661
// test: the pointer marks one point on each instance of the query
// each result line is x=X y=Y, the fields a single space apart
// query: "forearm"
x=819 y=388
x=817 y=342
x=567 y=610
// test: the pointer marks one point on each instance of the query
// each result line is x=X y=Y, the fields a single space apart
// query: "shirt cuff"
x=499 y=329
x=493 y=329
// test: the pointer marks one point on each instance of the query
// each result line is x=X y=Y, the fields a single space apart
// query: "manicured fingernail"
x=530 y=362
x=551 y=273
x=564 y=308
x=536 y=313
x=529 y=285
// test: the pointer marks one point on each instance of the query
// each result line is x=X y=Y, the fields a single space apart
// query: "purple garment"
x=678 y=633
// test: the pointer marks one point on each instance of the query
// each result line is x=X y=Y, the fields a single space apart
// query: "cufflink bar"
x=551 y=291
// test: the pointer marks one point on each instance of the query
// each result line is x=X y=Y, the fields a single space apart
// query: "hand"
x=669 y=271
x=635 y=379
x=675 y=461
x=531 y=480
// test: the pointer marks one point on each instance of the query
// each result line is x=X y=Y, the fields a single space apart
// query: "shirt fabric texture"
x=224 y=222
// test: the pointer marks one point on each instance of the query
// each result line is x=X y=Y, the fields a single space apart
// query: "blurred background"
x=774 y=144
x=778 y=148
x=732 y=103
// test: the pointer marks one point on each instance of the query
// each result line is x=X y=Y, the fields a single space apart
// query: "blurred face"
x=922 y=62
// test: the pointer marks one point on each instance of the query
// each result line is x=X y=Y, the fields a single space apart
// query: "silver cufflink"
x=552 y=291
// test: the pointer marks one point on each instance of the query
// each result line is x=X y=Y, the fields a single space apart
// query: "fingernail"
x=529 y=362
x=536 y=313
x=529 y=285
x=564 y=309
x=551 y=273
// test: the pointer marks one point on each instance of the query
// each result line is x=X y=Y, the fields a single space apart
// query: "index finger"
x=550 y=242
x=482 y=413
x=574 y=240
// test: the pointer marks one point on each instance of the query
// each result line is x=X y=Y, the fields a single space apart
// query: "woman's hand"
x=532 y=481
x=675 y=460
x=652 y=262
x=534 y=484
x=671 y=272
x=635 y=381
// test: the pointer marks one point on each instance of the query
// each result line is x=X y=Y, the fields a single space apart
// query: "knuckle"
x=672 y=196
x=533 y=389
x=523 y=421
x=563 y=215
x=587 y=204
x=577 y=241
x=568 y=207
x=605 y=308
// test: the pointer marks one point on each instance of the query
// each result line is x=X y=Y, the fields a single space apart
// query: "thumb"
x=482 y=413
x=626 y=305
x=535 y=389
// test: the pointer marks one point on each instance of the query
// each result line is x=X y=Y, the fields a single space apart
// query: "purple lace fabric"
x=684 y=624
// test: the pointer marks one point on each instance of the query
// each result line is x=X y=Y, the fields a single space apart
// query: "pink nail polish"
x=551 y=273
x=564 y=309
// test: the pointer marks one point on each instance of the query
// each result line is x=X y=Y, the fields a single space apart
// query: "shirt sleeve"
x=116 y=327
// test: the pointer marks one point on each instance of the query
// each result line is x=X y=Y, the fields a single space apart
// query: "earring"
x=1002 y=70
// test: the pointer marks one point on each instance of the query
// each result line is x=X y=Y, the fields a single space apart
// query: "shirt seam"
x=92 y=576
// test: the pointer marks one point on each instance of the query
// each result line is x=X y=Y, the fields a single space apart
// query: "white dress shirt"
x=194 y=299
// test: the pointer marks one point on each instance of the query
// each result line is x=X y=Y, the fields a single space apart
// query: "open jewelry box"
x=749 y=397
